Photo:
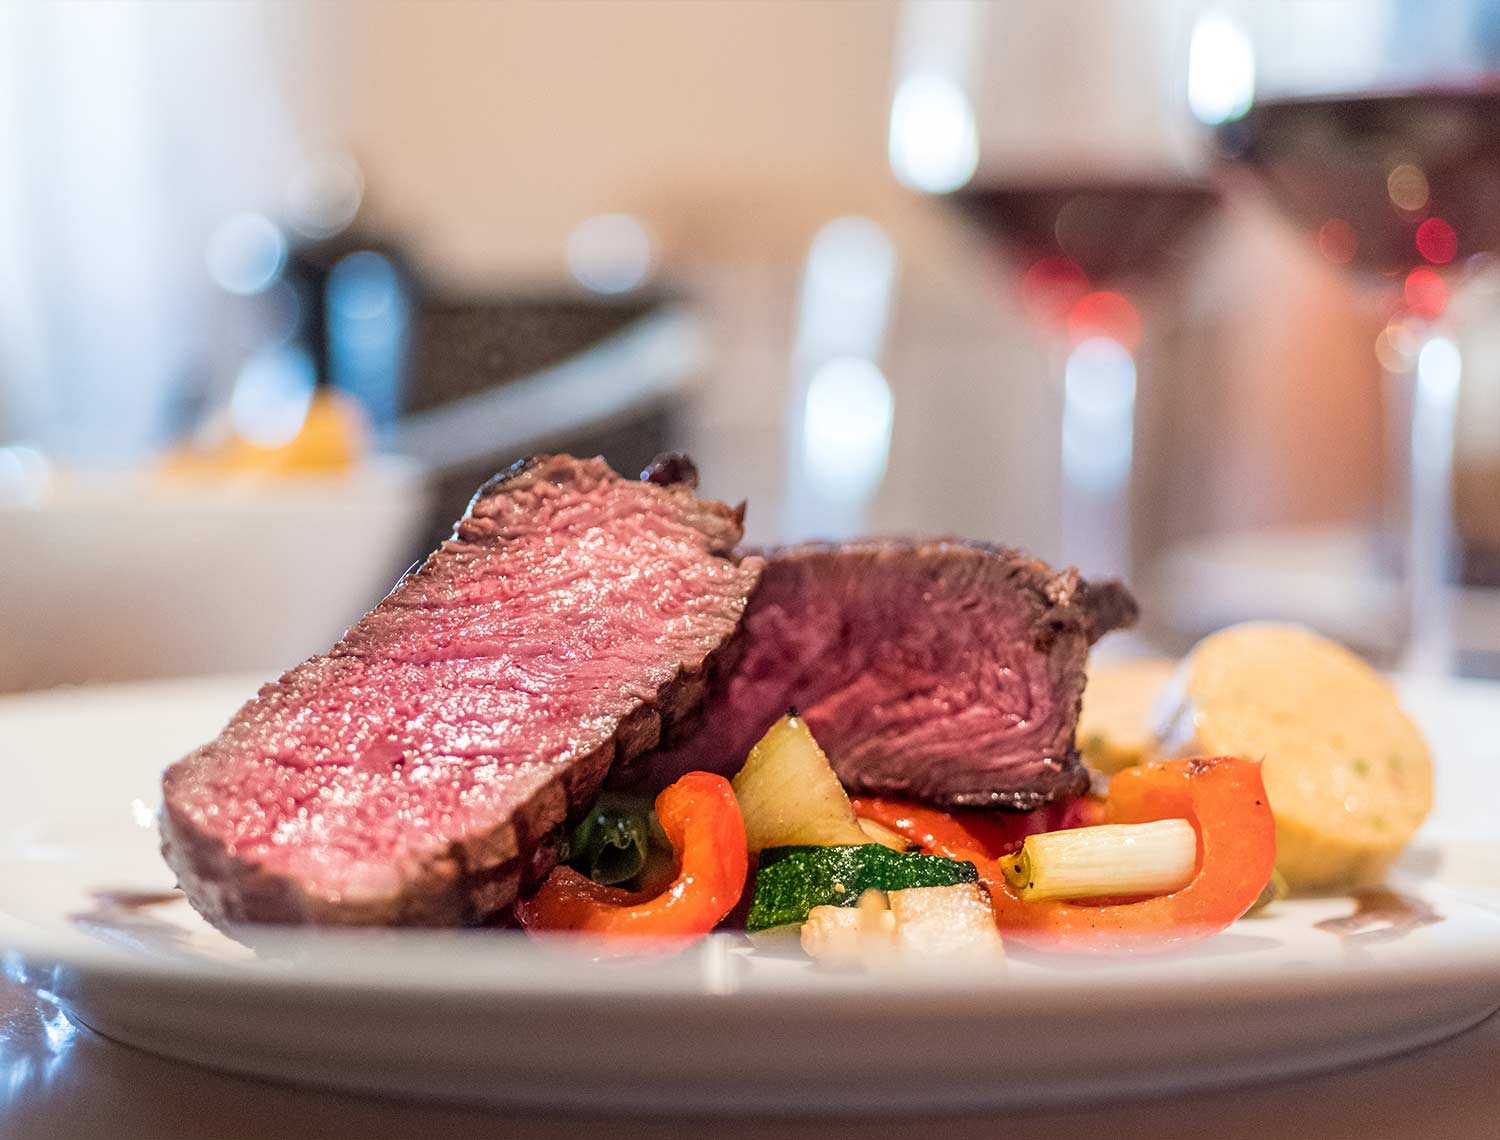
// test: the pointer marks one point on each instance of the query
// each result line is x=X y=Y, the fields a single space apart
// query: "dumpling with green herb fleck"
x=1348 y=774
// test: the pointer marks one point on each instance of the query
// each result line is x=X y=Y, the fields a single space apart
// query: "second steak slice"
x=418 y=773
x=943 y=671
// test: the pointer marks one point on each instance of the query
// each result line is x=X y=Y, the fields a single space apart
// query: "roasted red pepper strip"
x=1223 y=798
x=980 y=837
x=702 y=820
x=1225 y=801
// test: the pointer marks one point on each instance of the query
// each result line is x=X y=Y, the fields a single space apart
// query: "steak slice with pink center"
x=421 y=770
x=943 y=671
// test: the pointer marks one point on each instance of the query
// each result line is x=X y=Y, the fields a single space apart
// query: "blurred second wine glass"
x=1385 y=148
x=1084 y=173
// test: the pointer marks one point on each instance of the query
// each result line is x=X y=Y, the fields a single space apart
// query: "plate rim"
x=1474 y=961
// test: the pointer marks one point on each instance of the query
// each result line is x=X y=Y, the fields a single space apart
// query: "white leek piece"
x=788 y=794
x=850 y=936
x=1113 y=859
x=916 y=928
x=941 y=924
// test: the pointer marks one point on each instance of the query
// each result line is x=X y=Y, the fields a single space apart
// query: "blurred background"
x=1200 y=294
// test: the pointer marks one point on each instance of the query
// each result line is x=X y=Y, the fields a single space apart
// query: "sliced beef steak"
x=946 y=671
x=420 y=771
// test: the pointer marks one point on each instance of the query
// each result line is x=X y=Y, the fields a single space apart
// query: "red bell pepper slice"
x=1225 y=801
x=980 y=837
x=1223 y=798
x=702 y=820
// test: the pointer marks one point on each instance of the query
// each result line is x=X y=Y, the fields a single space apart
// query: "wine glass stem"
x=1098 y=428
x=1433 y=386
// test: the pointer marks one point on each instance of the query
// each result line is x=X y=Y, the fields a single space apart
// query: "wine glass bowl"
x=1387 y=182
x=1381 y=141
x=1084 y=250
x=1072 y=241
x=1060 y=138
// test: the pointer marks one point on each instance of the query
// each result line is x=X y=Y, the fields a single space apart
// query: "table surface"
x=61 y=1080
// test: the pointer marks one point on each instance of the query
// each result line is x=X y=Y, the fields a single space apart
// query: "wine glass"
x=1060 y=133
x=1375 y=127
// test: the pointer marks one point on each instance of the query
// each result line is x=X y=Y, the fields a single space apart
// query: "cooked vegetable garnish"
x=611 y=842
x=1112 y=859
x=968 y=833
x=788 y=793
x=946 y=922
x=879 y=833
x=919 y=926
x=1226 y=801
x=851 y=936
x=792 y=880
x=702 y=822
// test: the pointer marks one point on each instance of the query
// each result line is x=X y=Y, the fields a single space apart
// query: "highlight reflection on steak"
x=944 y=671
x=420 y=771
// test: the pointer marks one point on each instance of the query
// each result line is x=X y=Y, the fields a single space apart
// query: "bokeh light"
x=271 y=395
x=1050 y=287
x=610 y=253
x=934 y=146
x=846 y=427
x=325 y=194
x=1425 y=293
x=1437 y=241
x=245 y=254
x=1103 y=313
x=846 y=292
x=367 y=326
x=1398 y=343
x=1439 y=366
x=1407 y=186
x=1098 y=413
x=363 y=286
x=1221 y=70
x=853 y=258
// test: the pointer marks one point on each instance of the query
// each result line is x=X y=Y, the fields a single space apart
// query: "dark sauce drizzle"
x=1381 y=915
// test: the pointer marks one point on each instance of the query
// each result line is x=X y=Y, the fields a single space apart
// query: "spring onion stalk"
x=1110 y=860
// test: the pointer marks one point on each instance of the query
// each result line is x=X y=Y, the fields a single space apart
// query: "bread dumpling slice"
x=1348 y=774
x=1115 y=724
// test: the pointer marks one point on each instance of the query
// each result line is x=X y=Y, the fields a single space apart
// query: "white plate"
x=488 y=1016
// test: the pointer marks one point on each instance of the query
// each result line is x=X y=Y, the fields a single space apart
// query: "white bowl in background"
x=127 y=576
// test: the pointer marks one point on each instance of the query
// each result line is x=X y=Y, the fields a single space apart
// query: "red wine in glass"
x=1074 y=243
x=1112 y=230
x=1388 y=181
x=1071 y=239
